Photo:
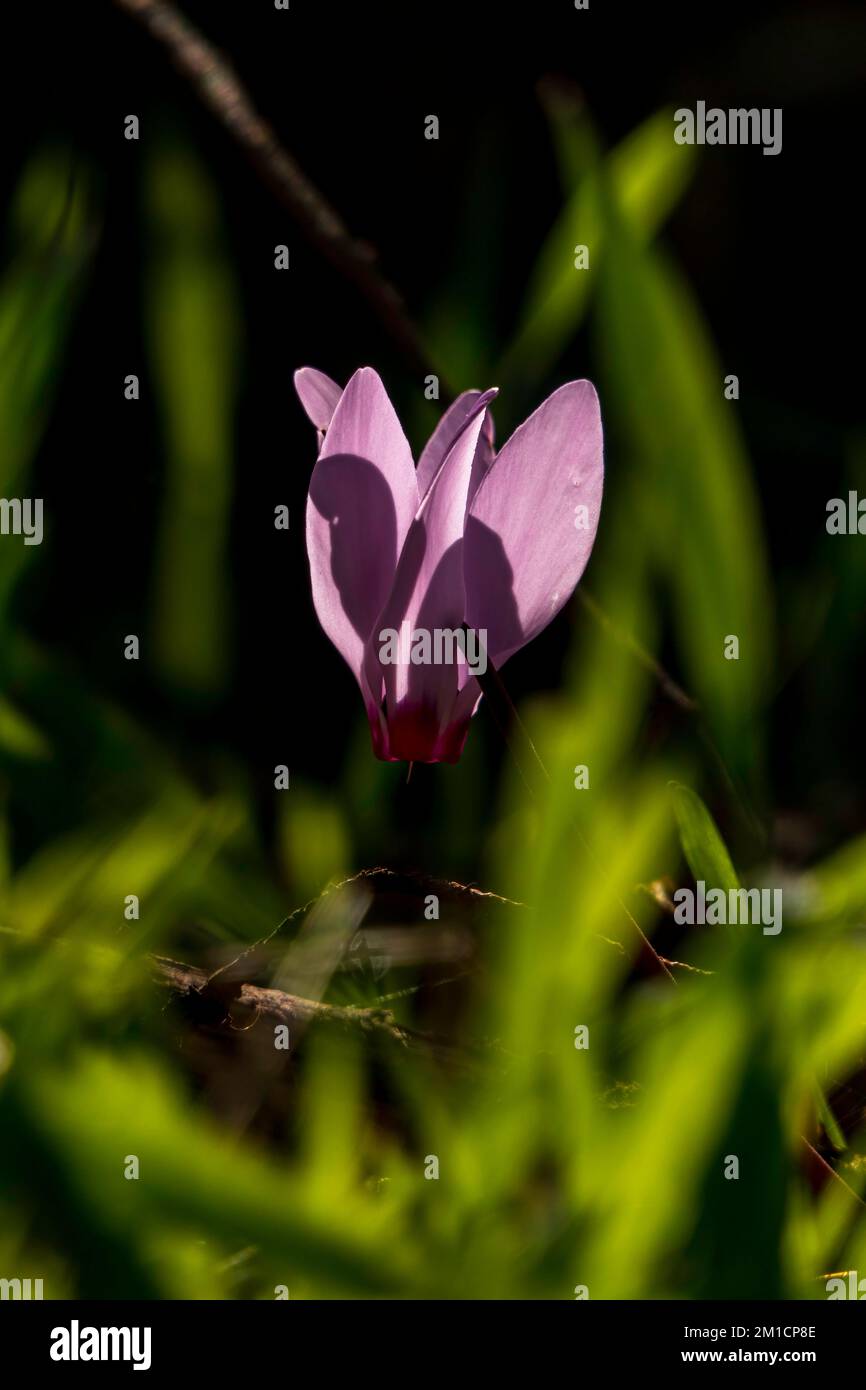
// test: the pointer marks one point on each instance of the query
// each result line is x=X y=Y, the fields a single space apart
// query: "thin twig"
x=291 y=1009
x=828 y=1167
x=373 y=878
x=219 y=88
x=685 y=965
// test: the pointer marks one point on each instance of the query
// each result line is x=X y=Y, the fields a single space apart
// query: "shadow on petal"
x=351 y=497
x=490 y=599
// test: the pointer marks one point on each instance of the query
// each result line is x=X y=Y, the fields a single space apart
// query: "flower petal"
x=417 y=733
x=318 y=394
x=427 y=593
x=525 y=547
x=456 y=417
x=484 y=456
x=362 y=499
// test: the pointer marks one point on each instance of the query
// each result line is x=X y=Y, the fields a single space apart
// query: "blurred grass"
x=703 y=846
x=193 y=323
x=50 y=237
x=648 y=174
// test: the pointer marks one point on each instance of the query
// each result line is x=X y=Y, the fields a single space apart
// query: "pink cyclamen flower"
x=493 y=541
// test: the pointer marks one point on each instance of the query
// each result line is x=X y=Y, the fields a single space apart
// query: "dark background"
x=771 y=245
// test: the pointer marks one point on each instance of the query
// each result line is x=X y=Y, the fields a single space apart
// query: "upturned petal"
x=319 y=396
x=426 y=717
x=456 y=417
x=362 y=499
x=531 y=524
